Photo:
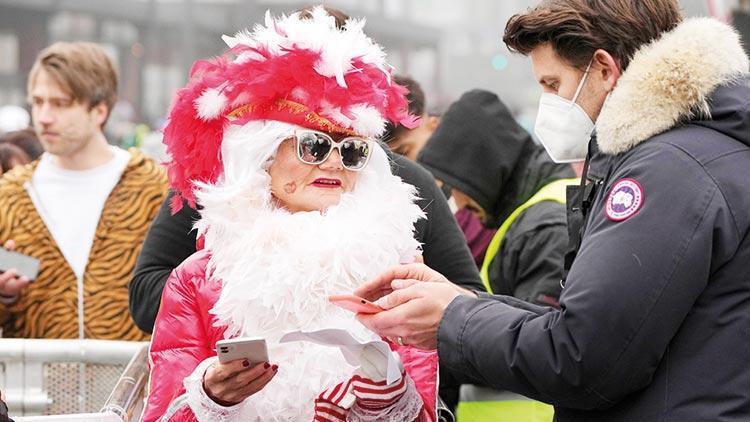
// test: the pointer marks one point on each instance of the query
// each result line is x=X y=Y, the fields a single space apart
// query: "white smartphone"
x=25 y=265
x=251 y=348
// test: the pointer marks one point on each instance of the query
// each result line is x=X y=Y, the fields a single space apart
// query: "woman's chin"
x=325 y=200
x=321 y=204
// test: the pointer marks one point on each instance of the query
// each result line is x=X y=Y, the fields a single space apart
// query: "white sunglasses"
x=314 y=147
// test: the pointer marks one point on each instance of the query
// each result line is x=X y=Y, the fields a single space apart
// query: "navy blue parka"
x=654 y=322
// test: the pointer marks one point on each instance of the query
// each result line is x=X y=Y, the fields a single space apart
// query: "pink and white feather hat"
x=302 y=71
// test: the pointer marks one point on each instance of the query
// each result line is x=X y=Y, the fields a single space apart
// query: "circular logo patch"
x=624 y=200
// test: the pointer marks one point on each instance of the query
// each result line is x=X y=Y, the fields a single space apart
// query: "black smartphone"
x=25 y=265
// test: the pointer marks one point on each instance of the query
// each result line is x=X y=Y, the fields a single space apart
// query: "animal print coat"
x=49 y=306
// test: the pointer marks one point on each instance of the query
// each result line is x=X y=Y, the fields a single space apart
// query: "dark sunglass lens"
x=313 y=147
x=354 y=153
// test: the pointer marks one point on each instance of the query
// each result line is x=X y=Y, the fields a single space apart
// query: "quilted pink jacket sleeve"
x=182 y=337
x=422 y=367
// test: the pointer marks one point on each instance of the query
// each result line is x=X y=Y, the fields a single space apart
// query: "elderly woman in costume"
x=274 y=142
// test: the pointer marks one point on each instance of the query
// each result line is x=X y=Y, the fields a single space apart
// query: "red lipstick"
x=326 y=183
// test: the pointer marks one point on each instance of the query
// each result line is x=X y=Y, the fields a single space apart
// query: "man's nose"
x=45 y=115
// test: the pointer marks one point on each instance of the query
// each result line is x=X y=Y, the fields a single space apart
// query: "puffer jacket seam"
x=713 y=181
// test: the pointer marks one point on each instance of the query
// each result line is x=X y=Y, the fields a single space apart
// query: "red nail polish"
x=275 y=368
x=266 y=365
x=245 y=363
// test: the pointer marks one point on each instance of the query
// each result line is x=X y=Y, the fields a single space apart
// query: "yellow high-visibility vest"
x=480 y=404
x=554 y=191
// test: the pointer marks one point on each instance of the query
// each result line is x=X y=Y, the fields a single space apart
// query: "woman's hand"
x=232 y=382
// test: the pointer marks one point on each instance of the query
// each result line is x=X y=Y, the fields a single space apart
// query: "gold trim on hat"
x=293 y=107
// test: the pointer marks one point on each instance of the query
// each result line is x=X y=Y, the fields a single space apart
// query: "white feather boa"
x=278 y=268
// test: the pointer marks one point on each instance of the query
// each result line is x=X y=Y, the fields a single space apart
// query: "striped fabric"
x=374 y=395
x=333 y=404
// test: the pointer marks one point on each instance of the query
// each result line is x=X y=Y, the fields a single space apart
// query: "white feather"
x=300 y=95
x=367 y=120
x=229 y=40
x=279 y=268
x=338 y=48
x=332 y=112
x=210 y=104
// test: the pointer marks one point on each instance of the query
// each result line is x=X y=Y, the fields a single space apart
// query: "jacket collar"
x=668 y=81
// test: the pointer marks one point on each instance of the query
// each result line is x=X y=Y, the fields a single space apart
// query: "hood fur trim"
x=669 y=80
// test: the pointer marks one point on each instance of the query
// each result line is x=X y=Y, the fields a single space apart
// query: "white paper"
x=375 y=358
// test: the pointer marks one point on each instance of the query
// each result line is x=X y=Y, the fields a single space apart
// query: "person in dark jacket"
x=494 y=167
x=4 y=410
x=656 y=305
x=409 y=142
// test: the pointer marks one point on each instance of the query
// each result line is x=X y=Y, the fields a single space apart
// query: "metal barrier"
x=72 y=377
x=444 y=413
x=128 y=396
x=21 y=359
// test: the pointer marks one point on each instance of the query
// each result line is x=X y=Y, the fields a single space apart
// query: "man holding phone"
x=80 y=212
x=12 y=281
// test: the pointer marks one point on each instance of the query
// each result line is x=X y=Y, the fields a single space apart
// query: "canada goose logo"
x=624 y=200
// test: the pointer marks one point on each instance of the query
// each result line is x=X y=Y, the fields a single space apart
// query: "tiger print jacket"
x=49 y=306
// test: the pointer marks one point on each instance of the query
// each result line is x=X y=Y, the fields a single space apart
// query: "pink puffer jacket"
x=185 y=335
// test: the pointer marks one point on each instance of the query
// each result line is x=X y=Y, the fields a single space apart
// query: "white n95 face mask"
x=452 y=205
x=563 y=127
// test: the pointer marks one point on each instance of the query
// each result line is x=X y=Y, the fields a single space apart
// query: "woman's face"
x=305 y=187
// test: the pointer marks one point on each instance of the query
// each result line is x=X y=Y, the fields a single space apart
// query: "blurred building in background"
x=449 y=46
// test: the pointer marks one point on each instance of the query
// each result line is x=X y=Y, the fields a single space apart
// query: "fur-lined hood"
x=669 y=81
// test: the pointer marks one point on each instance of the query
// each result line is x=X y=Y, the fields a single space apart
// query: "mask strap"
x=583 y=80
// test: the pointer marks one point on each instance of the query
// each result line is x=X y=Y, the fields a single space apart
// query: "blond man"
x=82 y=208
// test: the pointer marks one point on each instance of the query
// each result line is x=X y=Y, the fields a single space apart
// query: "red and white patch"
x=624 y=200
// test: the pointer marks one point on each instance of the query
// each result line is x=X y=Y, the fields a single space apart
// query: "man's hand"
x=395 y=278
x=415 y=298
x=10 y=283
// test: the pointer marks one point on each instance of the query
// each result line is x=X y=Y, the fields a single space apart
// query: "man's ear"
x=99 y=113
x=432 y=122
x=608 y=67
